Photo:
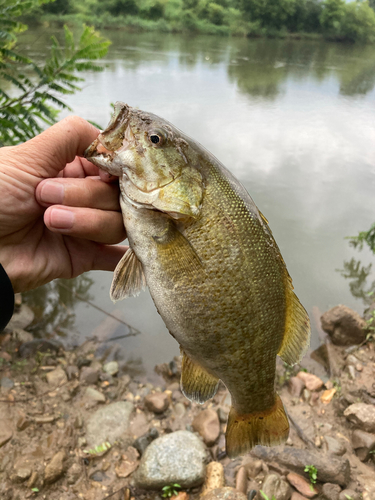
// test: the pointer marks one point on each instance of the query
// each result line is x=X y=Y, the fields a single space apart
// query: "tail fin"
x=268 y=428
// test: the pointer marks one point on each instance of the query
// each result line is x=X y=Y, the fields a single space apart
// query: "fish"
x=214 y=271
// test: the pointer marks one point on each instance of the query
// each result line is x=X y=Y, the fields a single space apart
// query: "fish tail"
x=268 y=428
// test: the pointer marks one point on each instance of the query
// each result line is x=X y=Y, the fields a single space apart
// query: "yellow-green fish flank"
x=213 y=268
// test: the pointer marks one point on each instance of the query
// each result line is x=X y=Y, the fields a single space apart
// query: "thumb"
x=48 y=153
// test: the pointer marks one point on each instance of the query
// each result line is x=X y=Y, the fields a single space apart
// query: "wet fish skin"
x=213 y=269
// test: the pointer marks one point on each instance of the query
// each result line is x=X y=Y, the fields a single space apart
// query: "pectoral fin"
x=296 y=339
x=196 y=383
x=128 y=279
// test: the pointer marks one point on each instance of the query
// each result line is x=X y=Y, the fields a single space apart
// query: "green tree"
x=358 y=22
x=333 y=12
x=30 y=94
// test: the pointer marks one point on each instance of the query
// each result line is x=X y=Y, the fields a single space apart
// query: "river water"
x=293 y=120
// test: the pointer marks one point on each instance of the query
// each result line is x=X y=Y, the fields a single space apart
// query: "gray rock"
x=108 y=423
x=6 y=383
x=111 y=368
x=349 y=493
x=89 y=375
x=331 y=469
x=331 y=491
x=74 y=473
x=21 y=319
x=296 y=386
x=226 y=493
x=23 y=335
x=141 y=443
x=55 y=468
x=178 y=457
x=344 y=326
x=334 y=447
x=274 y=486
x=57 y=377
x=92 y=394
x=363 y=442
x=362 y=415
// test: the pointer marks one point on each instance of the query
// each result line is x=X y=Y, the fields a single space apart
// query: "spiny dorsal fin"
x=196 y=383
x=296 y=339
x=128 y=279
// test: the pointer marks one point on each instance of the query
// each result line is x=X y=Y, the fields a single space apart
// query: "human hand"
x=58 y=219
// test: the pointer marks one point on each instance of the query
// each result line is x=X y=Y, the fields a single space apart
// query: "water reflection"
x=358 y=274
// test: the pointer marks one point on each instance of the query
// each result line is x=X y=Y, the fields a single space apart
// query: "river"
x=293 y=120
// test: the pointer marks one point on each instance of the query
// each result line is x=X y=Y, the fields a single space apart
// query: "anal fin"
x=267 y=428
x=196 y=383
x=296 y=339
x=128 y=279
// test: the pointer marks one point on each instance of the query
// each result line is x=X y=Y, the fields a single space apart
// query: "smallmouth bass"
x=213 y=268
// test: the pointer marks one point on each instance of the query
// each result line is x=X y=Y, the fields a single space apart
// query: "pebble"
x=74 y=473
x=141 y=443
x=344 y=326
x=128 y=464
x=179 y=410
x=5 y=433
x=359 y=367
x=362 y=415
x=22 y=473
x=253 y=466
x=334 y=446
x=306 y=395
x=6 y=383
x=349 y=493
x=274 y=486
x=55 y=468
x=111 y=368
x=296 y=386
x=207 y=424
x=297 y=496
x=331 y=491
x=92 y=394
x=57 y=377
x=241 y=480
x=226 y=493
x=214 y=478
x=327 y=396
x=72 y=372
x=89 y=375
x=312 y=382
x=351 y=371
x=301 y=485
x=21 y=319
x=157 y=402
x=33 y=479
x=108 y=423
x=178 y=457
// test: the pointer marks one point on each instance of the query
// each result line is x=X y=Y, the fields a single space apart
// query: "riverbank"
x=73 y=425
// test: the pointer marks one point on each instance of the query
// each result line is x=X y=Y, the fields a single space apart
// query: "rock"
x=241 y=480
x=274 y=486
x=22 y=473
x=108 y=423
x=55 y=468
x=6 y=383
x=312 y=382
x=344 y=326
x=296 y=386
x=327 y=396
x=23 y=421
x=22 y=335
x=141 y=443
x=179 y=410
x=301 y=485
x=33 y=479
x=72 y=372
x=363 y=442
x=178 y=457
x=351 y=371
x=253 y=466
x=57 y=377
x=5 y=433
x=359 y=367
x=214 y=477
x=111 y=368
x=29 y=349
x=21 y=319
x=331 y=491
x=224 y=494
x=157 y=402
x=4 y=355
x=207 y=424
x=89 y=375
x=362 y=415
x=128 y=464
x=92 y=394
x=331 y=469
x=74 y=473
x=297 y=496
x=349 y=493
x=334 y=446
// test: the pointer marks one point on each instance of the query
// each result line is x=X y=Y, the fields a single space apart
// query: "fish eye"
x=157 y=137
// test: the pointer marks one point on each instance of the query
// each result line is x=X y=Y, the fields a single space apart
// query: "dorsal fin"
x=128 y=279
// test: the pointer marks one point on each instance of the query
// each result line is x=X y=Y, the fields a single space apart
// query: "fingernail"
x=62 y=219
x=52 y=192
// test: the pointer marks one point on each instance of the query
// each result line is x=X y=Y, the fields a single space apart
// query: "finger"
x=48 y=153
x=107 y=257
x=96 y=225
x=90 y=192
x=80 y=167
x=106 y=177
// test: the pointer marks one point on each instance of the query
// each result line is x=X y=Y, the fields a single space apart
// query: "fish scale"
x=213 y=269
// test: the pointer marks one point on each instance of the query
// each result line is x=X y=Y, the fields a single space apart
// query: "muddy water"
x=293 y=120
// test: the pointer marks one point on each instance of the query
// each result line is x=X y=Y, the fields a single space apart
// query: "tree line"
x=334 y=19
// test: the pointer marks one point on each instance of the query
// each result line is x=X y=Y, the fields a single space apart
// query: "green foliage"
x=170 y=490
x=30 y=94
x=313 y=473
x=99 y=450
x=367 y=237
x=266 y=496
